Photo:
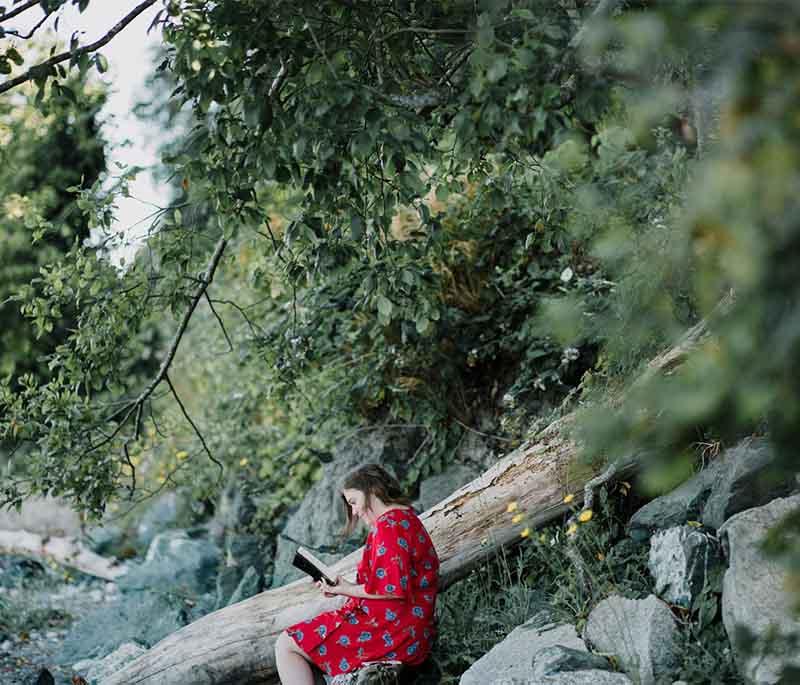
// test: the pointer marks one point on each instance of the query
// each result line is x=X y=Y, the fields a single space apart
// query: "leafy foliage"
x=45 y=150
x=429 y=212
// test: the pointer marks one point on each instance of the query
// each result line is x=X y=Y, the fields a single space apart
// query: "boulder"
x=378 y=673
x=174 y=560
x=641 y=633
x=682 y=560
x=559 y=659
x=241 y=553
x=161 y=515
x=94 y=671
x=107 y=540
x=436 y=488
x=249 y=585
x=684 y=503
x=172 y=587
x=513 y=659
x=744 y=480
x=591 y=677
x=754 y=596
x=740 y=478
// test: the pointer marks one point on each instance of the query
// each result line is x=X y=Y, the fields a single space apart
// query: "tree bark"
x=234 y=645
x=65 y=550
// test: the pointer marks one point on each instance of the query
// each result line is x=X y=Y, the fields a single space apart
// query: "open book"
x=308 y=563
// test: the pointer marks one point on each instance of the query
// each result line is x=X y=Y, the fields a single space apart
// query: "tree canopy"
x=426 y=212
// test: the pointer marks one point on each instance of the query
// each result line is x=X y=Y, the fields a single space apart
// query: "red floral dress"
x=399 y=559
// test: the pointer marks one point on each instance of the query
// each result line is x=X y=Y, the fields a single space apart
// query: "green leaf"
x=101 y=62
x=14 y=56
x=497 y=70
x=356 y=227
x=385 y=306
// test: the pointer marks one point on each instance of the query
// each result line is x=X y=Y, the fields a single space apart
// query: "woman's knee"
x=285 y=643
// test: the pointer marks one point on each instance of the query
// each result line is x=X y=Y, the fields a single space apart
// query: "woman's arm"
x=348 y=589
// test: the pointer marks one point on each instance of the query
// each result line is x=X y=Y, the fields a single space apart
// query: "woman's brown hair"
x=371 y=479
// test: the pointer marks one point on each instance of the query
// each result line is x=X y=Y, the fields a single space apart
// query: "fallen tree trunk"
x=67 y=551
x=234 y=645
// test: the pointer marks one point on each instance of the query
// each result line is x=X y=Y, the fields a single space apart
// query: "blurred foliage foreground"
x=433 y=216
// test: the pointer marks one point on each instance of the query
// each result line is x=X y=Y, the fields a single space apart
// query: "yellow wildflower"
x=517 y=518
x=573 y=528
x=569 y=498
x=512 y=506
x=585 y=516
x=244 y=461
x=525 y=533
x=180 y=456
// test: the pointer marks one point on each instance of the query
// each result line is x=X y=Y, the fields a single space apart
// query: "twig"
x=31 y=32
x=19 y=10
x=219 y=320
x=485 y=435
x=70 y=54
x=194 y=426
x=240 y=309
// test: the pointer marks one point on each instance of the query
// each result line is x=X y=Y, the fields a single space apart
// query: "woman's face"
x=358 y=505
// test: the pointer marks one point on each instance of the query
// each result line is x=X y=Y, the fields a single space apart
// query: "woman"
x=390 y=611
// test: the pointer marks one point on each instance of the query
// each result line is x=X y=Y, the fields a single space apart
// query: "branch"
x=136 y=406
x=19 y=10
x=205 y=281
x=194 y=426
x=219 y=321
x=70 y=54
x=29 y=35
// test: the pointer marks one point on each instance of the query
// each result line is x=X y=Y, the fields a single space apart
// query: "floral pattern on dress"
x=399 y=559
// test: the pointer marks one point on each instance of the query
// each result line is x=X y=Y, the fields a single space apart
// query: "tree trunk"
x=234 y=645
x=65 y=550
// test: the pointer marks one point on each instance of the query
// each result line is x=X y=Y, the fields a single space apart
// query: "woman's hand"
x=342 y=587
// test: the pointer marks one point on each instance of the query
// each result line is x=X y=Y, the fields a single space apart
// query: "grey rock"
x=743 y=481
x=143 y=617
x=175 y=561
x=161 y=515
x=753 y=592
x=641 y=633
x=371 y=674
x=559 y=659
x=512 y=659
x=436 y=488
x=106 y=540
x=682 y=560
x=249 y=585
x=96 y=670
x=45 y=678
x=234 y=512
x=320 y=517
x=684 y=503
x=590 y=677
x=241 y=553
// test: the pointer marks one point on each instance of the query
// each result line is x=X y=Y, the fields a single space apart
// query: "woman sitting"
x=390 y=611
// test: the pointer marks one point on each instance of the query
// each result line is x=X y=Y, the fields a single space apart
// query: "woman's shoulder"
x=399 y=515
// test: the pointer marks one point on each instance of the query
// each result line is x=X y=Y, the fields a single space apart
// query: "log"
x=234 y=645
x=68 y=551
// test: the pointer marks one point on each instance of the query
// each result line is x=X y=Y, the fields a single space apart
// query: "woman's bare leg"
x=293 y=664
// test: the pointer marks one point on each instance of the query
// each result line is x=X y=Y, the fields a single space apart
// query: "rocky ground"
x=38 y=604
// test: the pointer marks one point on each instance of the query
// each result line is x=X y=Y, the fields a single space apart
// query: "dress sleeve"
x=362 y=570
x=390 y=560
